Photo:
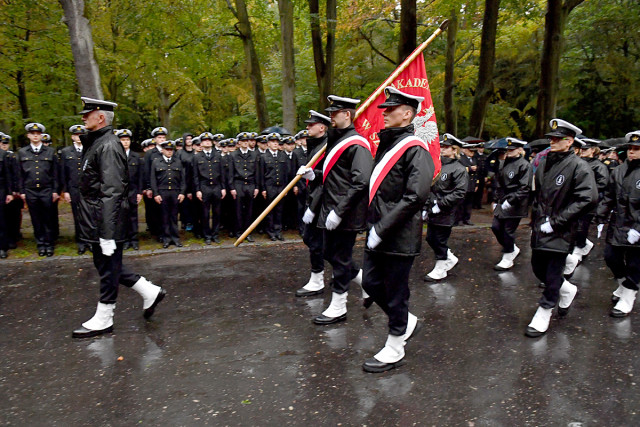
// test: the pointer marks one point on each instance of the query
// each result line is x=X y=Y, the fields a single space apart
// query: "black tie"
x=209 y=155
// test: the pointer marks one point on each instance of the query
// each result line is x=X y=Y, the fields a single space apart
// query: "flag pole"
x=362 y=108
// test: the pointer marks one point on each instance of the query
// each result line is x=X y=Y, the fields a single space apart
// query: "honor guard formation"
x=564 y=184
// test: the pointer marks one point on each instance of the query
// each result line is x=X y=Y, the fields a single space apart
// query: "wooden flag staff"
x=362 y=108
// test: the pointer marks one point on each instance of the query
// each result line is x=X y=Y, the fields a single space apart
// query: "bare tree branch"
x=368 y=40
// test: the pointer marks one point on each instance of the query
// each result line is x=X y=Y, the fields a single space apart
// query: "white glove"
x=600 y=227
x=425 y=215
x=546 y=228
x=506 y=205
x=633 y=236
x=333 y=221
x=493 y=206
x=373 y=240
x=435 y=209
x=306 y=173
x=107 y=247
x=308 y=216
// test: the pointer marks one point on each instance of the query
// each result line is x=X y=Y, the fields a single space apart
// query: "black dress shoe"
x=42 y=252
x=250 y=239
x=126 y=246
x=615 y=299
x=468 y=223
x=367 y=302
x=149 y=311
x=165 y=245
x=3 y=254
x=562 y=312
x=373 y=365
x=216 y=239
x=178 y=244
x=617 y=313
x=83 y=332
x=302 y=292
x=13 y=246
x=49 y=252
x=135 y=246
x=273 y=238
x=279 y=237
x=324 y=320
x=533 y=333
x=81 y=250
x=207 y=241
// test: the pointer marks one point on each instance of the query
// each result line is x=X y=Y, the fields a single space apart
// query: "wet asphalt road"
x=232 y=345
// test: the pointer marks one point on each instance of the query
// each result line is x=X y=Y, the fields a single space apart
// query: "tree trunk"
x=253 y=63
x=164 y=109
x=289 y=119
x=323 y=57
x=555 y=20
x=408 y=29
x=484 y=89
x=450 y=117
x=86 y=67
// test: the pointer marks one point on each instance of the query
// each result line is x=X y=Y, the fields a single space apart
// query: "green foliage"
x=185 y=60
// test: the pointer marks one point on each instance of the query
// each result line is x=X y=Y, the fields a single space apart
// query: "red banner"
x=412 y=80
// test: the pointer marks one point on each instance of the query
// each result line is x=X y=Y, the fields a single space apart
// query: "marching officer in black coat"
x=244 y=179
x=446 y=196
x=70 y=169
x=564 y=190
x=620 y=207
x=312 y=236
x=135 y=166
x=512 y=200
x=168 y=183
x=13 y=209
x=39 y=185
x=153 y=215
x=103 y=217
x=210 y=182
x=588 y=150
x=274 y=174
x=346 y=172
x=6 y=193
x=397 y=191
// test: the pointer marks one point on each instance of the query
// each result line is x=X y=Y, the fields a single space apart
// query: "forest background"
x=503 y=68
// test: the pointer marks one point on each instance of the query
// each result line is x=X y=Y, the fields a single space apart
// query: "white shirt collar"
x=273 y=153
x=243 y=151
x=38 y=148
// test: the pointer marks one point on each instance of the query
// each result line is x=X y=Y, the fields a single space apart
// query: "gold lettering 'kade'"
x=415 y=82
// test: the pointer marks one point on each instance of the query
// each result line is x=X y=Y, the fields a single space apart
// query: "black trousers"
x=313 y=237
x=197 y=214
x=290 y=211
x=186 y=212
x=169 y=209
x=302 y=207
x=338 y=250
x=153 y=216
x=479 y=193
x=13 y=216
x=112 y=273
x=386 y=279
x=505 y=231
x=41 y=210
x=244 y=206
x=437 y=238
x=274 y=219
x=548 y=267
x=259 y=205
x=4 y=238
x=465 y=208
x=132 y=223
x=624 y=261
x=55 y=224
x=75 y=204
x=582 y=231
x=211 y=208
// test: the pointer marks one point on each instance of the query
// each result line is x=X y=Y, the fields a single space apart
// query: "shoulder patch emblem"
x=560 y=180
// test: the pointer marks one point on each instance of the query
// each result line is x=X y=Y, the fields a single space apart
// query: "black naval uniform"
x=70 y=169
x=601 y=175
x=168 y=181
x=564 y=189
x=345 y=191
x=464 y=209
x=13 y=211
x=303 y=158
x=514 y=185
x=135 y=165
x=6 y=189
x=448 y=191
x=395 y=214
x=312 y=236
x=153 y=215
x=210 y=177
x=104 y=185
x=482 y=160
x=186 y=207
x=38 y=181
x=620 y=207
x=244 y=170
x=275 y=174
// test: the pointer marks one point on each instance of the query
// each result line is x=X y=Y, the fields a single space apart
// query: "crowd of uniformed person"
x=206 y=183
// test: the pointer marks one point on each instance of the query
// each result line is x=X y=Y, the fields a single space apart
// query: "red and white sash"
x=337 y=151
x=389 y=159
